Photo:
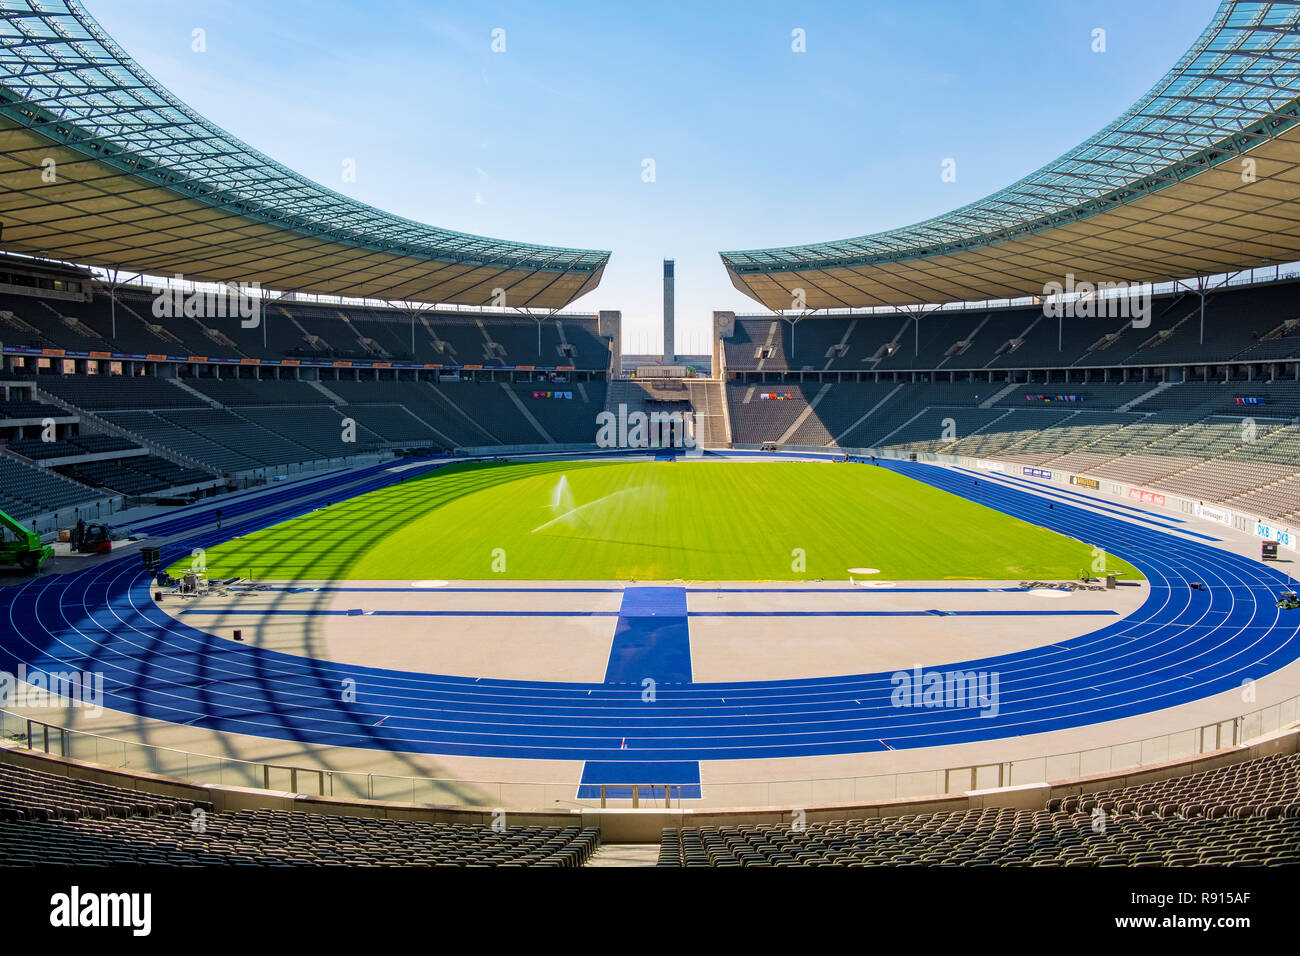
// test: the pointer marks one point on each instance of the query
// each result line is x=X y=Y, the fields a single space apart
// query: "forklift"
x=92 y=538
x=21 y=547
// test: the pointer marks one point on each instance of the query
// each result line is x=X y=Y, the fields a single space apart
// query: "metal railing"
x=32 y=734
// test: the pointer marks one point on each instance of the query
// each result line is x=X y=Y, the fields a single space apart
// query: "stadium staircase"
x=623 y=392
x=624 y=855
x=803 y=415
x=473 y=423
x=708 y=398
x=841 y=348
x=210 y=402
x=1001 y=394
x=1163 y=386
x=869 y=412
x=529 y=417
x=333 y=398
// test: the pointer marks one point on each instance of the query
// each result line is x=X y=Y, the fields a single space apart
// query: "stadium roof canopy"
x=1164 y=192
x=145 y=184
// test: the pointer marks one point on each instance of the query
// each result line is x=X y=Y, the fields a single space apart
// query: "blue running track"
x=1181 y=645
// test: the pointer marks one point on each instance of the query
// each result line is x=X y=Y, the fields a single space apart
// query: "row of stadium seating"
x=47 y=819
x=997 y=837
x=26 y=490
x=841 y=409
x=1245 y=814
x=20 y=410
x=1254 y=323
x=137 y=475
x=69 y=447
x=443 y=415
x=288 y=330
x=1241 y=814
x=130 y=472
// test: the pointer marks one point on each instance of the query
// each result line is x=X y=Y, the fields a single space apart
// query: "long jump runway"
x=1181 y=645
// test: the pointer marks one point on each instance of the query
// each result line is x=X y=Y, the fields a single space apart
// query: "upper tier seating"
x=302 y=330
x=1247 y=323
x=97 y=393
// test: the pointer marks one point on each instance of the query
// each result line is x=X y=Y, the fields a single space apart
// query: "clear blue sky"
x=754 y=145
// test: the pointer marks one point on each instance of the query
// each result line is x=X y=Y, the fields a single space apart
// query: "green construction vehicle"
x=21 y=547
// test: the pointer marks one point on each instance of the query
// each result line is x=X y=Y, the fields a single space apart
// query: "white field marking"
x=875 y=584
x=864 y=570
x=428 y=584
x=1054 y=593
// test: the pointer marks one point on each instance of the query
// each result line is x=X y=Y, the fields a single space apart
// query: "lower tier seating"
x=1244 y=814
x=48 y=819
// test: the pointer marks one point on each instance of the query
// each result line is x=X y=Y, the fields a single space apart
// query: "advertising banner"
x=1285 y=537
x=1149 y=497
x=1214 y=514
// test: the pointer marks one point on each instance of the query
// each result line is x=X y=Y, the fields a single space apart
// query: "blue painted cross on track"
x=652 y=643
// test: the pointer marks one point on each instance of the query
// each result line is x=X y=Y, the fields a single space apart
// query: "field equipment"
x=1288 y=601
x=1268 y=551
x=20 y=546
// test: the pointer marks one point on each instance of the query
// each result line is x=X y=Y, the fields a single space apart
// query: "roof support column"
x=1201 y=292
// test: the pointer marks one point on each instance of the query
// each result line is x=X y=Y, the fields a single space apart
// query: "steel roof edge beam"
x=753 y=261
x=555 y=259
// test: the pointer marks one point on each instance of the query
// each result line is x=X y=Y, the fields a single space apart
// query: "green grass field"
x=704 y=521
